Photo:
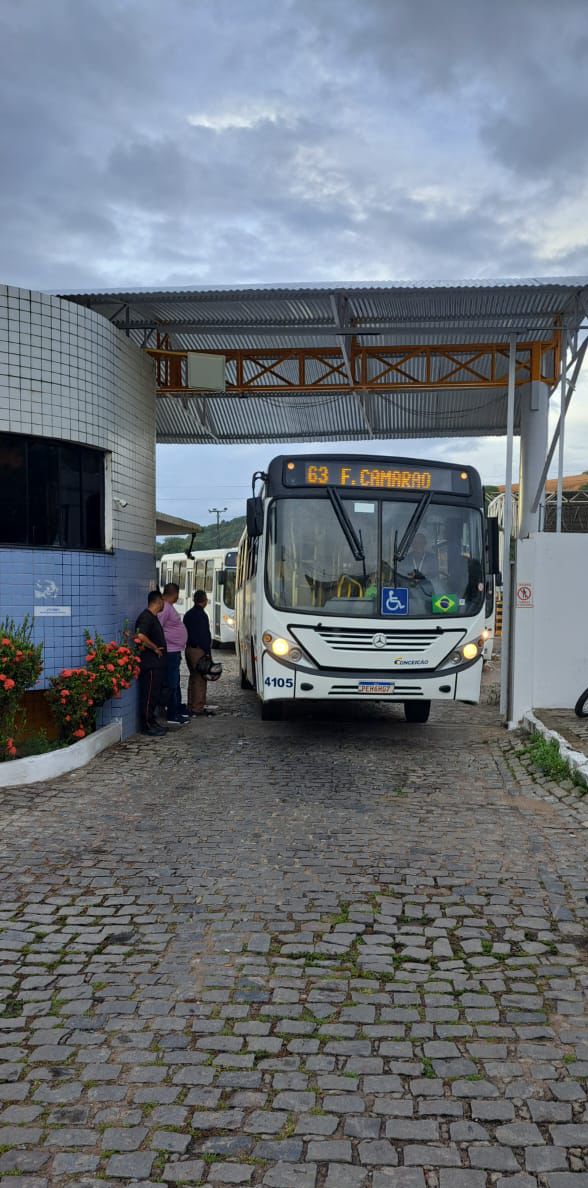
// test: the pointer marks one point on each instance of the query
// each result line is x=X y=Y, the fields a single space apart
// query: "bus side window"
x=242 y=565
x=252 y=558
x=188 y=582
x=182 y=576
x=175 y=573
x=199 y=576
x=208 y=576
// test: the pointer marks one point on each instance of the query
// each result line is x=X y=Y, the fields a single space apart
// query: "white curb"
x=577 y=760
x=35 y=768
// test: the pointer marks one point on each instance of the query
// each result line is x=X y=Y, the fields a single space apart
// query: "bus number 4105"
x=280 y=682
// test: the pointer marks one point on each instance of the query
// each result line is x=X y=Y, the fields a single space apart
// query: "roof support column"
x=534 y=425
x=506 y=666
x=562 y=434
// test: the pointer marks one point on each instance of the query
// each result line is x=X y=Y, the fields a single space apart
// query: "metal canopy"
x=168 y=525
x=345 y=362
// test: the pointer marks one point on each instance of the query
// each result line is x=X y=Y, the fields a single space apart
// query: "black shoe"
x=154 y=731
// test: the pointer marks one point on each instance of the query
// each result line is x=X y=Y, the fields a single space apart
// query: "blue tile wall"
x=104 y=590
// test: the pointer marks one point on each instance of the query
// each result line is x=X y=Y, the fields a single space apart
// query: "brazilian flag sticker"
x=445 y=604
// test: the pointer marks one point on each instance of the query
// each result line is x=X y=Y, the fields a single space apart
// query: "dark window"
x=51 y=494
x=13 y=489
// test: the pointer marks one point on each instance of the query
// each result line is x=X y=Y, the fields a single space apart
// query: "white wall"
x=551 y=637
x=66 y=372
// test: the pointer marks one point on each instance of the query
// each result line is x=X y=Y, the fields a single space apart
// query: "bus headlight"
x=281 y=647
x=470 y=651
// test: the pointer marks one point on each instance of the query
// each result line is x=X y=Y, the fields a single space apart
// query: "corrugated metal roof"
x=324 y=417
x=271 y=317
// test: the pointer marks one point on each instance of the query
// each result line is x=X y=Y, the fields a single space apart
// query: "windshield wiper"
x=411 y=530
x=353 y=538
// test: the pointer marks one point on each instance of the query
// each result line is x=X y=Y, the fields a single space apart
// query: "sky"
x=260 y=141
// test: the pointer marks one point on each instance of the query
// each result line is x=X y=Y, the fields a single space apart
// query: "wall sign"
x=52 y=611
x=524 y=594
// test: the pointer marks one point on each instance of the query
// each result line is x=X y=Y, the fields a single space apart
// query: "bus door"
x=217 y=594
x=210 y=588
x=179 y=577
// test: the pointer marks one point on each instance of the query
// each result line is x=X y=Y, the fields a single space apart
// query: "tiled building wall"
x=66 y=373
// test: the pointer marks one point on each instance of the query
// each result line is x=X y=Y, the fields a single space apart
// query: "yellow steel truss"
x=371 y=368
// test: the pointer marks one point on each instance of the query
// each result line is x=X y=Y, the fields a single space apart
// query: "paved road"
x=333 y=951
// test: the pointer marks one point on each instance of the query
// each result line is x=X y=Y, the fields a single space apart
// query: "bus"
x=212 y=570
x=364 y=578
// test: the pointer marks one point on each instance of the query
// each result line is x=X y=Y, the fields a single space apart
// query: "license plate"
x=375 y=687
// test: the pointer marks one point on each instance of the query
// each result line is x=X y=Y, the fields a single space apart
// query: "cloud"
x=237 y=141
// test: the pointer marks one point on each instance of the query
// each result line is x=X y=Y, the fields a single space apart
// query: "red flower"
x=79 y=733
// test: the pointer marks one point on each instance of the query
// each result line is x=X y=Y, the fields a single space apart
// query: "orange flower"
x=79 y=733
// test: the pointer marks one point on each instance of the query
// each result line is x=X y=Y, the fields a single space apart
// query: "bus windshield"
x=310 y=565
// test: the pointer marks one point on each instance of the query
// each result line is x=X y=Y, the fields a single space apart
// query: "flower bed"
x=75 y=695
x=21 y=665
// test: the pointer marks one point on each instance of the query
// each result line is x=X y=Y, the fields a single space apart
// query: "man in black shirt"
x=199 y=645
x=149 y=634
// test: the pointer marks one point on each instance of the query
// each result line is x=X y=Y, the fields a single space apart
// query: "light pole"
x=217 y=511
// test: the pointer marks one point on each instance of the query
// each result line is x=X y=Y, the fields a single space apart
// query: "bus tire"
x=271 y=711
x=417 y=711
x=581 y=706
x=245 y=682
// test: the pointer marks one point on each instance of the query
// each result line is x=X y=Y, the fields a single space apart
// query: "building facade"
x=77 y=478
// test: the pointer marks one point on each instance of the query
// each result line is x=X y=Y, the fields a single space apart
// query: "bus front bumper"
x=287 y=682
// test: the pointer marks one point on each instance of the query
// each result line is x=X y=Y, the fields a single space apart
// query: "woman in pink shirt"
x=176 y=638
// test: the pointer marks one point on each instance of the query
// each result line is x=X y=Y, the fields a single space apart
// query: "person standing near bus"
x=176 y=638
x=150 y=637
x=199 y=645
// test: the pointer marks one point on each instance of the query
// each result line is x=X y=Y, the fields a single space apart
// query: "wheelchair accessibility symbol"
x=394 y=601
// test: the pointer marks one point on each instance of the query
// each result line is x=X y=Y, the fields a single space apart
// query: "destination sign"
x=386 y=476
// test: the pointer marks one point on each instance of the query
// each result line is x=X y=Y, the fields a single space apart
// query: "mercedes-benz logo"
x=379 y=640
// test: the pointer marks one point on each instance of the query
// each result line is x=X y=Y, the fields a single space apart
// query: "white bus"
x=212 y=570
x=364 y=578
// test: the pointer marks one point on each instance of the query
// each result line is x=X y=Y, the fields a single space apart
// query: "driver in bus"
x=420 y=562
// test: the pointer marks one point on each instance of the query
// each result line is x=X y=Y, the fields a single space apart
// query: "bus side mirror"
x=222 y=577
x=493 y=544
x=254 y=517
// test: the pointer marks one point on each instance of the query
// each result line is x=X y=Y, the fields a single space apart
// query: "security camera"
x=121 y=503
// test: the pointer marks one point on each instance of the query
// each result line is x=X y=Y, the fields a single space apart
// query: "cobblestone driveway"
x=339 y=951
